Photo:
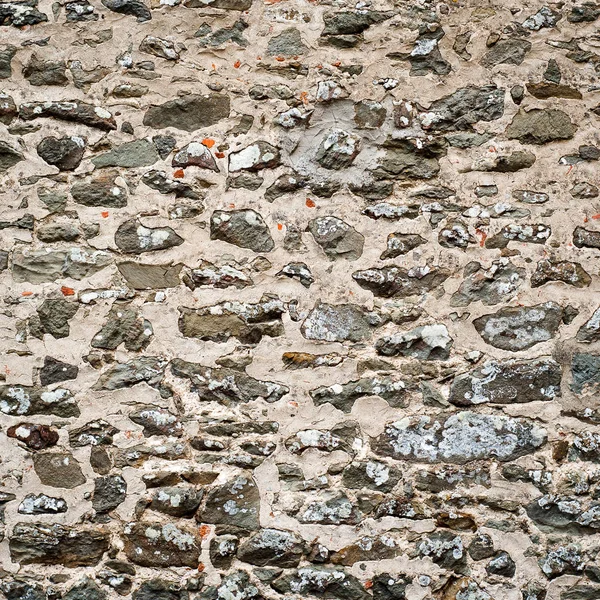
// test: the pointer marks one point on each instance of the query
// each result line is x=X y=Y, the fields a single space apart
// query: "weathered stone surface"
x=139 y=153
x=508 y=382
x=338 y=150
x=257 y=156
x=65 y=153
x=152 y=544
x=47 y=544
x=149 y=369
x=126 y=326
x=27 y=400
x=343 y=396
x=568 y=272
x=58 y=469
x=339 y=322
x=337 y=238
x=74 y=111
x=9 y=156
x=430 y=342
x=236 y=503
x=35 y=437
x=272 y=547
x=102 y=190
x=332 y=583
x=195 y=155
x=541 y=126
x=520 y=328
x=109 y=492
x=244 y=228
x=145 y=276
x=506 y=52
x=395 y=282
x=220 y=384
x=461 y=438
x=245 y=321
x=189 y=113
x=134 y=238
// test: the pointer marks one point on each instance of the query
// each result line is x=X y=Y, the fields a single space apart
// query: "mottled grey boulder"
x=45 y=72
x=541 y=126
x=134 y=238
x=54 y=316
x=371 y=474
x=272 y=547
x=256 y=156
x=134 y=8
x=399 y=244
x=288 y=43
x=490 y=286
x=58 y=469
x=139 y=153
x=519 y=328
x=148 y=369
x=244 y=228
x=463 y=108
x=144 y=276
x=340 y=437
x=568 y=272
x=55 y=371
x=42 y=505
x=159 y=47
x=343 y=396
x=189 y=113
x=109 y=492
x=72 y=110
x=153 y=544
x=236 y=503
x=225 y=385
x=430 y=342
x=396 y=282
x=157 y=421
x=65 y=153
x=124 y=325
x=337 y=238
x=506 y=52
x=18 y=400
x=178 y=501
x=100 y=190
x=338 y=150
x=327 y=582
x=247 y=322
x=52 y=544
x=339 y=322
x=9 y=157
x=461 y=438
x=195 y=154
x=585 y=370
x=508 y=382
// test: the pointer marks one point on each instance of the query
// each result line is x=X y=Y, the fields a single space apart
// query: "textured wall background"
x=299 y=299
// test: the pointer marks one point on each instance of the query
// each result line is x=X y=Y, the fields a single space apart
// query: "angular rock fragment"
x=430 y=342
x=139 y=153
x=16 y=400
x=272 y=547
x=332 y=509
x=157 y=421
x=54 y=316
x=125 y=325
x=584 y=191
x=134 y=238
x=339 y=437
x=153 y=544
x=490 y=286
x=244 y=228
x=520 y=328
x=149 y=369
x=144 y=277
x=287 y=44
x=102 y=190
x=195 y=154
x=58 y=469
x=327 y=582
x=337 y=238
x=42 y=505
x=540 y=126
x=508 y=382
x=159 y=47
x=343 y=396
x=401 y=243
x=224 y=385
x=65 y=153
x=584 y=238
x=94 y=433
x=345 y=29
x=73 y=110
x=463 y=437
x=236 y=503
x=176 y=501
x=35 y=437
x=371 y=474
x=257 y=156
x=411 y=159
x=109 y=492
x=135 y=8
x=8 y=108
x=229 y=275
x=9 y=157
x=565 y=271
x=463 y=108
x=537 y=233
x=189 y=113
x=52 y=544
x=158 y=180
x=45 y=72
x=339 y=322
x=338 y=150
x=455 y=234
x=245 y=321
x=590 y=330
x=544 y=90
x=506 y=52
x=299 y=271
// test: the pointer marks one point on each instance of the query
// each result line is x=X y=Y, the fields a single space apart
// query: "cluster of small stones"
x=297 y=300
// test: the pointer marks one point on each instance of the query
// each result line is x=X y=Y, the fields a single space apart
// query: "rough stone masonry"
x=299 y=300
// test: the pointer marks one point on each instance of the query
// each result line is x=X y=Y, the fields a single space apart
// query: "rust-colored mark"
x=67 y=291
x=310 y=203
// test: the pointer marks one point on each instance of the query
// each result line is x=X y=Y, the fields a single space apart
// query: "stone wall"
x=299 y=300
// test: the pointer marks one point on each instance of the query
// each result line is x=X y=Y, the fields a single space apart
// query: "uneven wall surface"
x=299 y=300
